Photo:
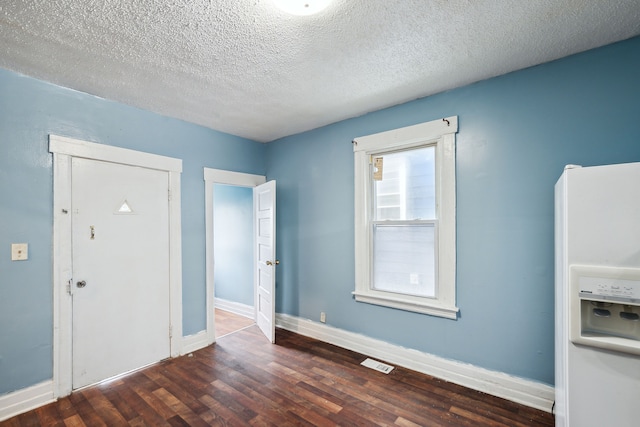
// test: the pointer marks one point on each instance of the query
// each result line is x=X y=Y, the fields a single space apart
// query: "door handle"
x=271 y=263
x=81 y=284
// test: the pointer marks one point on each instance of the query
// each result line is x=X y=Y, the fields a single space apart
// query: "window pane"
x=407 y=188
x=404 y=259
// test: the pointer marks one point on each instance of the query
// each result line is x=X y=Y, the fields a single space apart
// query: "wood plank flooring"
x=244 y=380
x=227 y=322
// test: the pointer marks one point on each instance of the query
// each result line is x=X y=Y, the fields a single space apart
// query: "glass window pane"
x=404 y=259
x=407 y=188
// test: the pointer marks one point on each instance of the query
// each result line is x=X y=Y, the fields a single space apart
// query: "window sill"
x=432 y=307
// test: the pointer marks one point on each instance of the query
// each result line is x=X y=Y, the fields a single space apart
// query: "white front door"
x=120 y=287
x=264 y=204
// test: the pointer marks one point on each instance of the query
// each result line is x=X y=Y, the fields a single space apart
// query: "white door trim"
x=212 y=177
x=64 y=149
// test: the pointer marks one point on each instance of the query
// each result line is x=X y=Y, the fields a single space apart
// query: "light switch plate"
x=19 y=251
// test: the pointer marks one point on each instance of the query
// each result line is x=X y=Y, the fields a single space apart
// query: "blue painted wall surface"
x=233 y=243
x=30 y=110
x=516 y=133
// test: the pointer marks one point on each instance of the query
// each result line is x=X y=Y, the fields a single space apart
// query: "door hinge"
x=169 y=194
x=170 y=331
x=69 y=286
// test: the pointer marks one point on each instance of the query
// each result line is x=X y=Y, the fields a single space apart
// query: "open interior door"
x=264 y=205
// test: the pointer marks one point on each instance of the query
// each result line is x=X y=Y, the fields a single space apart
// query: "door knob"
x=271 y=263
x=81 y=284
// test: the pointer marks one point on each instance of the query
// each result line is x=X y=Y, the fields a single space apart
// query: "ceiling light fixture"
x=302 y=7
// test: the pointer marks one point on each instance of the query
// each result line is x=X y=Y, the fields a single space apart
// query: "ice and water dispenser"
x=605 y=307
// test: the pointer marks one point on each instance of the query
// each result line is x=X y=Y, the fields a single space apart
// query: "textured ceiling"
x=246 y=68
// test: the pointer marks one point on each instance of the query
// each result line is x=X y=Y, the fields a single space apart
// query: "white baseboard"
x=203 y=339
x=520 y=390
x=24 y=400
x=236 y=308
x=194 y=342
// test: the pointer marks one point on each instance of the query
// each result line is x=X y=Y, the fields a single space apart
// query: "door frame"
x=64 y=149
x=212 y=177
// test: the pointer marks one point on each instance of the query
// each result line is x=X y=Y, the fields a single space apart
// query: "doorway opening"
x=233 y=231
x=227 y=196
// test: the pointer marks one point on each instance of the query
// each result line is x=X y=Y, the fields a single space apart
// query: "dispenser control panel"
x=610 y=289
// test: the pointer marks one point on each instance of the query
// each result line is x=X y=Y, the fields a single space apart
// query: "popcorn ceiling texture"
x=246 y=68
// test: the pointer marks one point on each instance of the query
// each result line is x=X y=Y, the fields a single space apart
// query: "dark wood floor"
x=244 y=380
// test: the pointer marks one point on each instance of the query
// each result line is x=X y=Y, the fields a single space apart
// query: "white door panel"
x=265 y=214
x=121 y=316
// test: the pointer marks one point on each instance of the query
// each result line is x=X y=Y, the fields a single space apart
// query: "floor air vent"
x=378 y=366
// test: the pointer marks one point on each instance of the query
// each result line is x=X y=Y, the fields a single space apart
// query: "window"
x=405 y=218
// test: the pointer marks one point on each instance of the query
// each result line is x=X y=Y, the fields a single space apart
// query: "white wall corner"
x=26 y=399
x=194 y=342
x=526 y=392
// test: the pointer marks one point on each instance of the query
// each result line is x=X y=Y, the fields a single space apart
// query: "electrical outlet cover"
x=19 y=251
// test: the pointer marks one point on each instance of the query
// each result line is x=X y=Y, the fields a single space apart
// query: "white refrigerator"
x=597 y=289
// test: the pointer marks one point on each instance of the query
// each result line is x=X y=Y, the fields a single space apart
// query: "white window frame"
x=440 y=133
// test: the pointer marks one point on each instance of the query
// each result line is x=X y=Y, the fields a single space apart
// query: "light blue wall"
x=29 y=111
x=516 y=134
x=233 y=243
